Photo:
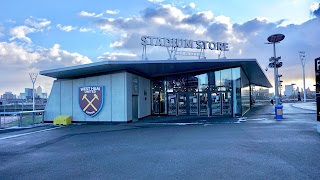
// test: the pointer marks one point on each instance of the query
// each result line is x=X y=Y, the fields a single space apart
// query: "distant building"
x=22 y=96
x=288 y=90
x=262 y=94
x=44 y=95
x=28 y=92
x=8 y=95
x=39 y=91
x=40 y=94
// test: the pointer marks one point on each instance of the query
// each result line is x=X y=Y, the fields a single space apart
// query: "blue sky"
x=36 y=35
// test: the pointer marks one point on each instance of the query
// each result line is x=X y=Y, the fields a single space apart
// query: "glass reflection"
x=222 y=92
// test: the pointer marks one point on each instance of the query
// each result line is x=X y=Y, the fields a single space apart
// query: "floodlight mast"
x=273 y=39
x=33 y=77
x=303 y=62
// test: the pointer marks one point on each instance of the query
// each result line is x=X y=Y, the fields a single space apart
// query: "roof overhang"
x=160 y=68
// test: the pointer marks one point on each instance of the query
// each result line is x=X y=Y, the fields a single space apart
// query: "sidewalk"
x=306 y=105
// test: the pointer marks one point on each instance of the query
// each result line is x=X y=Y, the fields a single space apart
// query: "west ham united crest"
x=91 y=99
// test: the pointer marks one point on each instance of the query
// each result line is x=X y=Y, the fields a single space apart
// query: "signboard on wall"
x=317 y=72
x=183 y=43
x=91 y=99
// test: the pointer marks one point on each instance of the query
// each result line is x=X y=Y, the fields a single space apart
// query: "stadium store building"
x=125 y=91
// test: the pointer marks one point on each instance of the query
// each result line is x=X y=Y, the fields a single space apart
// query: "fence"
x=20 y=107
x=21 y=118
x=267 y=102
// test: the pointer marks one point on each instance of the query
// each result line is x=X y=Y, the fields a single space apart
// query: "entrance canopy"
x=161 y=68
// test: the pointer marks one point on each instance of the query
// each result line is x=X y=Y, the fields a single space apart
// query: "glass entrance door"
x=216 y=103
x=226 y=103
x=172 y=104
x=203 y=104
x=193 y=103
x=221 y=103
x=182 y=104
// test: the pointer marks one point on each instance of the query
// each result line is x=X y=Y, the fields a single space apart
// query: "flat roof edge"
x=44 y=72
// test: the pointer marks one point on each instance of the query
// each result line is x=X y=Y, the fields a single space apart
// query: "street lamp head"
x=280 y=75
x=275 y=38
x=293 y=84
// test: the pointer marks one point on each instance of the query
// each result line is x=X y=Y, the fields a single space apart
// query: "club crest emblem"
x=91 y=99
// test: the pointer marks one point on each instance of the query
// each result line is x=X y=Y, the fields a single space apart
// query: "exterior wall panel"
x=105 y=112
x=129 y=77
x=144 y=100
x=52 y=109
x=66 y=97
x=118 y=90
x=77 y=115
x=119 y=107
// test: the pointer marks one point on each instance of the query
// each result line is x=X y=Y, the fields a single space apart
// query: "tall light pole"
x=280 y=89
x=303 y=62
x=33 y=77
x=280 y=81
x=275 y=63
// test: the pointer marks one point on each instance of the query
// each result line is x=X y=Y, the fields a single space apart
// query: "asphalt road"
x=209 y=148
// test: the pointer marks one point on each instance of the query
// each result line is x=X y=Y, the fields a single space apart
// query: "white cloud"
x=314 y=7
x=11 y=21
x=246 y=40
x=37 y=23
x=192 y=5
x=112 y=11
x=116 y=44
x=83 y=29
x=1 y=29
x=20 y=33
x=17 y=61
x=156 y=1
x=66 y=28
x=118 y=56
x=159 y=20
x=87 y=14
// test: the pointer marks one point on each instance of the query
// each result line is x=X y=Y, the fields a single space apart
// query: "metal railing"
x=20 y=107
x=21 y=118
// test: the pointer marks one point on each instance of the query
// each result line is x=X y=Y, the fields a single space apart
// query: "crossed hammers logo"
x=90 y=102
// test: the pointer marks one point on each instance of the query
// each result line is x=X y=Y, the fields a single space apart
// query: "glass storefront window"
x=245 y=92
x=158 y=97
x=203 y=82
x=193 y=81
x=222 y=92
x=217 y=75
x=236 y=90
x=226 y=78
x=180 y=83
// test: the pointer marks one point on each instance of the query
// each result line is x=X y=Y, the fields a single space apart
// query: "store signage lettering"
x=91 y=99
x=317 y=62
x=183 y=43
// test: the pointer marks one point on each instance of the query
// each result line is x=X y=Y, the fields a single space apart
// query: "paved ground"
x=197 y=148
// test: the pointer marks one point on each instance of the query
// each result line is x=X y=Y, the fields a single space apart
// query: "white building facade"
x=135 y=89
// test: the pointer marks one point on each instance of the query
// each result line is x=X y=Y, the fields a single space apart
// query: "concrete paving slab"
x=260 y=148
